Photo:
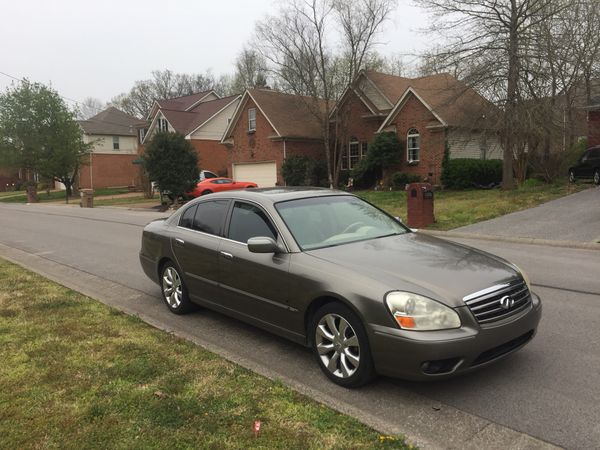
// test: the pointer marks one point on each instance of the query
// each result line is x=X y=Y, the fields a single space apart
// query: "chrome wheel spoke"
x=172 y=287
x=352 y=341
x=346 y=371
x=322 y=331
x=331 y=324
x=332 y=366
x=324 y=349
x=354 y=360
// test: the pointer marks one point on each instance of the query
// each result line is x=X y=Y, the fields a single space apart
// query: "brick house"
x=266 y=127
x=10 y=179
x=110 y=162
x=202 y=119
x=593 y=122
x=426 y=113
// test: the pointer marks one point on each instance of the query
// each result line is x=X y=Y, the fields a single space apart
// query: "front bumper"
x=428 y=355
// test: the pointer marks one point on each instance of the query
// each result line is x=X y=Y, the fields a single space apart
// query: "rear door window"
x=248 y=221
x=187 y=218
x=210 y=217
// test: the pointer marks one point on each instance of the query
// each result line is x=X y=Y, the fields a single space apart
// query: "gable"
x=373 y=94
x=214 y=127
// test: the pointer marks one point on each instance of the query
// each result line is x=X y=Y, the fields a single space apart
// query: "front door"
x=255 y=284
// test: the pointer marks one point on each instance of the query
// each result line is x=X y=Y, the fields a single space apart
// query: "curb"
x=515 y=240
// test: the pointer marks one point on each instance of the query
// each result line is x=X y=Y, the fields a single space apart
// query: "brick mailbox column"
x=419 y=198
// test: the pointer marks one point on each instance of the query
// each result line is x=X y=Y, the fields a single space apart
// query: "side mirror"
x=263 y=244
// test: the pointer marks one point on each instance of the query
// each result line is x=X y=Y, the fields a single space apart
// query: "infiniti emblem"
x=507 y=302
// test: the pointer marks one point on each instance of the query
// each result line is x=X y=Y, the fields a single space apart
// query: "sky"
x=100 y=48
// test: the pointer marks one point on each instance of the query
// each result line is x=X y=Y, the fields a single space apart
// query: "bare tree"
x=299 y=47
x=489 y=43
x=89 y=107
x=250 y=71
x=167 y=84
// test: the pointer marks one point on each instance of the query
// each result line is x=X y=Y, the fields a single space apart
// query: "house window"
x=252 y=119
x=353 y=154
x=413 y=142
x=163 y=125
x=115 y=142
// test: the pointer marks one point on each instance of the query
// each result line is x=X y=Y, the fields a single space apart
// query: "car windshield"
x=328 y=221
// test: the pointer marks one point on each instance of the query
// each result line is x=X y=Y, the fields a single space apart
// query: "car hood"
x=423 y=264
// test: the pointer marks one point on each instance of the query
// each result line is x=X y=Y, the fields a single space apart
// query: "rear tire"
x=597 y=177
x=571 y=176
x=206 y=192
x=341 y=346
x=173 y=289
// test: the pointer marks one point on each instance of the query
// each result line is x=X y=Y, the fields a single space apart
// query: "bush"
x=400 y=179
x=465 y=173
x=172 y=162
x=302 y=171
x=383 y=152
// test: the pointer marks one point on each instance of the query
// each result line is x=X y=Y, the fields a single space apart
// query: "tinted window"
x=187 y=218
x=595 y=153
x=210 y=216
x=222 y=181
x=208 y=174
x=249 y=221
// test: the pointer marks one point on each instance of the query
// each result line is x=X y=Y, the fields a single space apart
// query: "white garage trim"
x=263 y=173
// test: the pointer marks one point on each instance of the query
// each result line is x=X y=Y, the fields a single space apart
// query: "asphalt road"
x=575 y=217
x=549 y=390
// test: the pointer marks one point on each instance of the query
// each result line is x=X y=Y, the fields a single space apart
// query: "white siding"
x=471 y=144
x=373 y=94
x=214 y=129
x=104 y=144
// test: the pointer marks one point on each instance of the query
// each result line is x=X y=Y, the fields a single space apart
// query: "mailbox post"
x=419 y=197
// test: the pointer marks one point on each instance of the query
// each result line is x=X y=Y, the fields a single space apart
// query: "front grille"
x=487 y=307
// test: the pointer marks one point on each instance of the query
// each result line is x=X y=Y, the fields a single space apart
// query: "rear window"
x=187 y=218
x=210 y=216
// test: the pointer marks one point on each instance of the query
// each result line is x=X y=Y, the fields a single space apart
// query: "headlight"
x=415 y=312
x=524 y=275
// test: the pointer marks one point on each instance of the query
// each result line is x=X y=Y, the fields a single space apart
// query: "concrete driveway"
x=572 y=218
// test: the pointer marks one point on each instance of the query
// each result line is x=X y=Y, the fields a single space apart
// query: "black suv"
x=587 y=167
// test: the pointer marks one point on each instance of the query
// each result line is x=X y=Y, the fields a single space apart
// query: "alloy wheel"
x=597 y=177
x=571 y=176
x=337 y=345
x=172 y=287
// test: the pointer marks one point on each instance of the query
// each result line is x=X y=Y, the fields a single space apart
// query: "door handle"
x=226 y=255
x=180 y=242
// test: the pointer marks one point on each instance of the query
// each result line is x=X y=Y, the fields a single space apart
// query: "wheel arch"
x=322 y=300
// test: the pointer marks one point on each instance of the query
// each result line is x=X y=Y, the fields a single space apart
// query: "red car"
x=211 y=185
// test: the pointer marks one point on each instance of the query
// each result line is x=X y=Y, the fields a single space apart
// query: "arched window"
x=413 y=145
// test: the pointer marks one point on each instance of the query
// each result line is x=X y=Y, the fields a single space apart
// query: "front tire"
x=341 y=346
x=174 y=291
x=571 y=176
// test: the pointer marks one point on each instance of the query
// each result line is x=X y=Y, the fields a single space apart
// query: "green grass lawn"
x=78 y=374
x=11 y=193
x=454 y=209
x=124 y=201
x=60 y=195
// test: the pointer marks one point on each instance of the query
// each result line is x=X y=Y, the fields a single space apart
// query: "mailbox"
x=419 y=200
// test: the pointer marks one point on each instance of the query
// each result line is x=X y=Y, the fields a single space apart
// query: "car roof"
x=278 y=194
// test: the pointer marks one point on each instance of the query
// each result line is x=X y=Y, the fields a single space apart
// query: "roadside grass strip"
x=78 y=374
x=55 y=196
x=455 y=209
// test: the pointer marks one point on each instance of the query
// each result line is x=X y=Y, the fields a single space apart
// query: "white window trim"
x=116 y=141
x=415 y=133
x=251 y=119
x=358 y=147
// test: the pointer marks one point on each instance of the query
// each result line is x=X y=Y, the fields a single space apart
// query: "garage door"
x=263 y=174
